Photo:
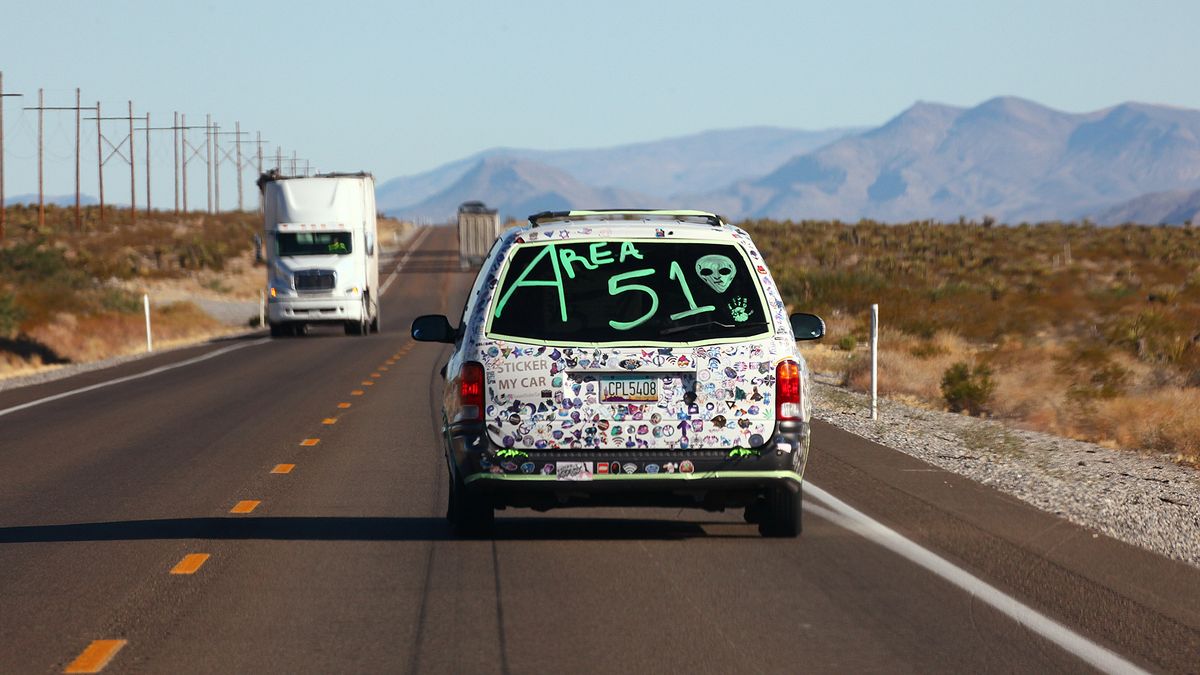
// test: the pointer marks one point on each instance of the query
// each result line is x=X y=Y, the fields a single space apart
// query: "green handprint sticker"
x=737 y=309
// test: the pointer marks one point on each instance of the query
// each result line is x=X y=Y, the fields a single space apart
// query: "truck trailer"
x=321 y=252
x=478 y=228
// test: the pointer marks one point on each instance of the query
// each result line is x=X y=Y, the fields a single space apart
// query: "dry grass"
x=1088 y=332
x=100 y=336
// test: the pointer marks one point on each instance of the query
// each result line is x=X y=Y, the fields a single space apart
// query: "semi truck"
x=322 y=252
x=478 y=228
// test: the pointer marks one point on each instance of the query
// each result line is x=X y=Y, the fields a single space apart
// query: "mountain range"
x=1008 y=158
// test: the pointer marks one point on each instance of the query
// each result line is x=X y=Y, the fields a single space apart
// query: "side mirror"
x=370 y=241
x=433 y=328
x=807 y=326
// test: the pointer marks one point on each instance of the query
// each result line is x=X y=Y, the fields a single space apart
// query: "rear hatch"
x=629 y=344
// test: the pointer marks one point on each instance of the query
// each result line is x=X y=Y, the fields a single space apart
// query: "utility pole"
x=220 y=155
x=175 y=150
x=115 y=149
x=3 y=206
x=148 y=207
x=148 y=129
x=174 y=129
x=237 y=142
x=216 y=167
x=258 y=141
x=78 y=216
x=189 y=153
x=100 y=162
x=208 y=158
x=41 y=111
x=132 y=176
x=41 y=198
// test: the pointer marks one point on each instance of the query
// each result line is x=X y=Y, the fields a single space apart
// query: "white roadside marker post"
x=875 y=362
x=262 y=308
x=146 y=304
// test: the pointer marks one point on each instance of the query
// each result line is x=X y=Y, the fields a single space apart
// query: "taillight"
x=788 y=402
x=470 y=392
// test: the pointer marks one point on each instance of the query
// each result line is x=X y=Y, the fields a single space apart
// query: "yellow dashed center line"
x=190 y=563
x=283 y=468
x=309 y=442
x=245 y=506
x=368 y=383
x=343 y=405
x=357 y=392
x=376 y=375
x=96 y=656
x=329 y=420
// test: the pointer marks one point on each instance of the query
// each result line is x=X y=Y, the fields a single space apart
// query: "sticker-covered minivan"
x=626 y=358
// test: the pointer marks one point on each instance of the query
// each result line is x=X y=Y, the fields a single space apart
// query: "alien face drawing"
x=717 y=271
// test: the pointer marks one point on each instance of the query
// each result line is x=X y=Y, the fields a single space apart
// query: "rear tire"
x=279 y=330
x=470 y=515
x=375 y=325
x=782 y=515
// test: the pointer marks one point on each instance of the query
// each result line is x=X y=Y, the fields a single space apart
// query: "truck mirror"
x=807 y=326
x=370 y=243
x=433 y=328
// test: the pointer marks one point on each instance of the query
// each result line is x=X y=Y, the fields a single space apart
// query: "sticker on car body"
x=573 y=471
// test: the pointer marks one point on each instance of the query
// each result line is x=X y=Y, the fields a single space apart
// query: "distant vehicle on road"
x=635 y=358
x=478 y=228
x=322 y=254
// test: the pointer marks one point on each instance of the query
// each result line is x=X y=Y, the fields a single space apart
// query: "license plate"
x=628 y=389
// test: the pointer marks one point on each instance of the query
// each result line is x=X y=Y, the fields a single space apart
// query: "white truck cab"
x=321 y=252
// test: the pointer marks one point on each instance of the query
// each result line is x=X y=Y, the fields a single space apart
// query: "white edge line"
x=148 y=373
x=841 y=513
x=392 y=277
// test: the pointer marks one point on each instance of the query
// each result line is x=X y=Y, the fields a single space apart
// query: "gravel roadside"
x=1140 y=498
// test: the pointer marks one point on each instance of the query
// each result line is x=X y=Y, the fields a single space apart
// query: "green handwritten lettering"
x=629 y=250
x=614 y=288
x=568 y=256
x=677 y=274
x=557 y=282
x=600 y=256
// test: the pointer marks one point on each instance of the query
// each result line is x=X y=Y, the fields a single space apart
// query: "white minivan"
x=634 y=358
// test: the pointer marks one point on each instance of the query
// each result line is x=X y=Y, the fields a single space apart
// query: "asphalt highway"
x=257 y=505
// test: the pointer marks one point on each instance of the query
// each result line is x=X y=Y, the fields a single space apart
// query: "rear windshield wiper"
x=679 y=329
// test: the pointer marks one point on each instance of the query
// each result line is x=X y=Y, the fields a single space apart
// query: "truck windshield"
x=628 y=291
x=312 y=243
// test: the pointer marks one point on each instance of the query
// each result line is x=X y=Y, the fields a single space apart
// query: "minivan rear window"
x=623 y=291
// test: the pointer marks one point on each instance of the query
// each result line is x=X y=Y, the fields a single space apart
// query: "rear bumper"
x=710 y=479
x=313 y=310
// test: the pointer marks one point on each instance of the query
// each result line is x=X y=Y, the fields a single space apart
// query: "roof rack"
x=625 y=214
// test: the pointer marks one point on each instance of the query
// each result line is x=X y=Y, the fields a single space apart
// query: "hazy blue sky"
x=400 y=87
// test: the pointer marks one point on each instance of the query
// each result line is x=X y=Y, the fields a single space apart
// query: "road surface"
x=296 y=489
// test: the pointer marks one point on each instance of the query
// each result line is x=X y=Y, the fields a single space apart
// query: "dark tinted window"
x=312 y=243
x=622 y=291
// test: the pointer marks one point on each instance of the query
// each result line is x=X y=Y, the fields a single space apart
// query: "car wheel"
x=280 y=330
x=375 y=321
x=469 y=514
x=782 y=515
